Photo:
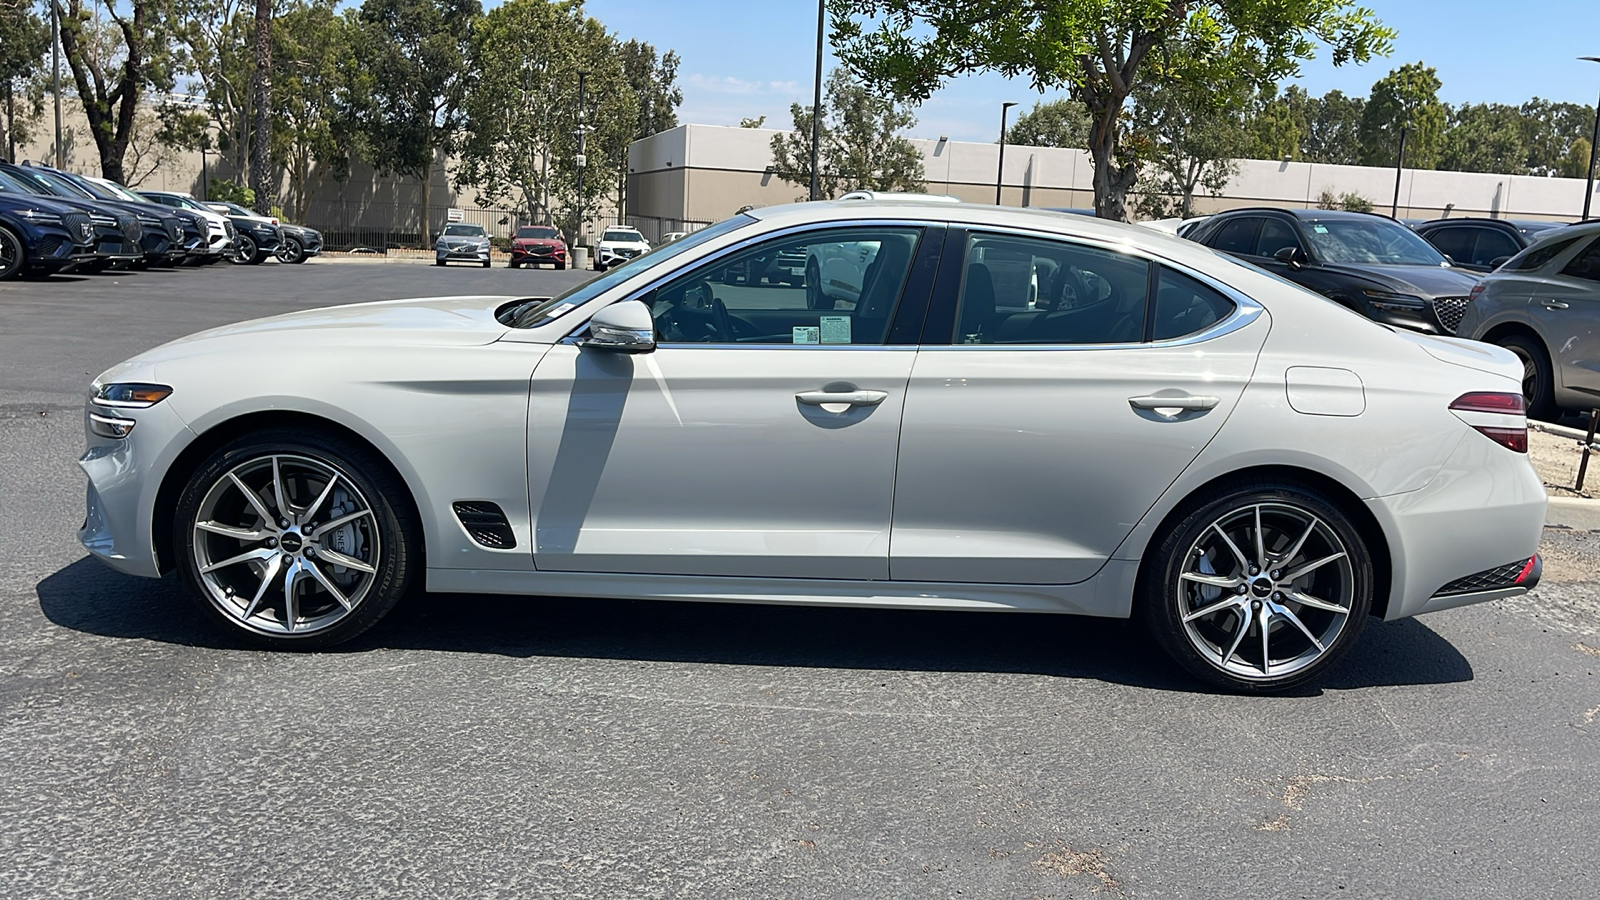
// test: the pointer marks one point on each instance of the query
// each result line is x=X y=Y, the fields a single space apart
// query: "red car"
x=536 y=245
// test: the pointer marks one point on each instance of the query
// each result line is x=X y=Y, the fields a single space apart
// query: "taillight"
x=1500 y=417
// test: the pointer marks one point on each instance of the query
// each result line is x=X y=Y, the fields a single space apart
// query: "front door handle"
x=1184 y=403
x=1554 y=304
x=843 y=398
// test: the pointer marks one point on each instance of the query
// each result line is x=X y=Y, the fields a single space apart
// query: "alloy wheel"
x=1265 y=591
x=10 y=254
x=290 y=252
x=286 y=544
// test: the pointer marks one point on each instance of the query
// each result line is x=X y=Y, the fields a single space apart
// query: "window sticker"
x=806 y=334
x=1320 y=229
x=835 y=329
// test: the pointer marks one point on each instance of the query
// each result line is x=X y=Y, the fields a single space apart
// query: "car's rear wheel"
x=1260 y=588
x=244 y=250
x=12 y=254
x=291 y=251
x=295 y=540
x=1538 y=383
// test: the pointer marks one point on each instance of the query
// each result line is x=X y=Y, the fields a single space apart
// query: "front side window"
x=1017 y=290
x=1370 y=241
x=1540 y=255
x=829 y=287
x=1276 y=234
x=1585 y=265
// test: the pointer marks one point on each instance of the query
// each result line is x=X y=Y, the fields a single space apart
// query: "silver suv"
x=1544 y=306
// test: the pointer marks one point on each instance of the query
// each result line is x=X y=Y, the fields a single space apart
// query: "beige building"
x=703 y=173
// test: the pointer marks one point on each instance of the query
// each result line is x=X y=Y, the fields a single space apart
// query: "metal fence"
x=382 y=227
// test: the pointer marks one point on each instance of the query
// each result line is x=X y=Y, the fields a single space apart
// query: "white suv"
x=618 y=244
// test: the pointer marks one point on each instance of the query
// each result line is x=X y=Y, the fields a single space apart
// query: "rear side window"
x=1539 y=256
x=1184 y=306
x=1454 y=241
x=1493 y=244
x=1585 y=265
x=1237 y=236
x=1018 y=290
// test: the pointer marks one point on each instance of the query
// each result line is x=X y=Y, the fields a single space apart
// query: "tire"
x=486 y=264
x=244 y=250
x=291 y=251
x=814 y=298
x=235 y=560
x=1324 y=586
x=438 y=262
x=599 y=266
x=13 y=254
x=513 y=264
x=561 y=266
x=1538 y=376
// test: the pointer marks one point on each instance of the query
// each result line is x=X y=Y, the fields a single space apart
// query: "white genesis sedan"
x=1018 y=411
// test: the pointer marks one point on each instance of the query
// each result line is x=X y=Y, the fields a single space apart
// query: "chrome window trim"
x=747 y=242
x=1245 y=309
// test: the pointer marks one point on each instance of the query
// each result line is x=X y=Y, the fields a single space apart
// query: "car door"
x=1037 y=435
x=1566 y=308
x=757 y=439
x=1494 y=245
x=1456 y=242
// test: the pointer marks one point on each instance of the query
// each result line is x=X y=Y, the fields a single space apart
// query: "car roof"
x=1579 y=229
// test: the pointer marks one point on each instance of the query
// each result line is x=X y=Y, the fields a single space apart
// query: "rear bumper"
x=1484 y=511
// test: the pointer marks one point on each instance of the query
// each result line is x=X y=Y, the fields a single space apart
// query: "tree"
x=261 y=99
x=757 y=122
x=24 y=40
x=1190 y=134
x=409 y=81
x=1485 y=137
x=1100 y=51
x=1333 y=130
x=1277 y=127
x=1576 y=163
x=1408 y=97
x=1349 y=201
x=115 y=61
x=655 y=88
x=519 y=142
x=861 y=147
x=217 y=53
x=310 y=136
x=1059 y=123
x=1550 y=129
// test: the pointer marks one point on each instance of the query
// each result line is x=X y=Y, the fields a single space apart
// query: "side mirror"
x=1293 y=257
x=624 y=327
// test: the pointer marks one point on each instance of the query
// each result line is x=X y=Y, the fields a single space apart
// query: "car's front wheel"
x=245 y=252
x=295 y=540
x=1260 y=588
x=291 y=251
x=12 y=254
x=1538 y=383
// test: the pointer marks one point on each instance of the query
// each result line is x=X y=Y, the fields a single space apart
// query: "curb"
x=1561 y=431
x=1575 y=513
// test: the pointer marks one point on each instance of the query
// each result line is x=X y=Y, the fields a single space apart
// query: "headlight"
x=132 y=395
x=40 y=217
x=110 y=426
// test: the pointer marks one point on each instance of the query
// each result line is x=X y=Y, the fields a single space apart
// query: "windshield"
x=541 y=233
x=122 y=193
x=617 y=234
x=539 y=312
x=48 y=185
x=184 y=203
x=1371 y=241
x=238 y=210
x=16 y=185
x=464 y=230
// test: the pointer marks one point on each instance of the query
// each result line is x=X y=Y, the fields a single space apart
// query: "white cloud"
x=728 y=84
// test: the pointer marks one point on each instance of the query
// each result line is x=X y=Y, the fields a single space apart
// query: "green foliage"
x=1550 y=129
x=1576 y=163
x=1189 y=135
x=757 y=122
x=861 y=147
x=1408 y=97
x=1333 y=130
x=1349 y=201
x=1099 y=51
x=1485 y=137
x=1059 y=123
x=520 y=141
x=1277 y=126
x=222 y=190
x=311 y=135
x=24 y=41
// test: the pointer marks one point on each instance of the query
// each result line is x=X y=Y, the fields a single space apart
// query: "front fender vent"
x=485 y=523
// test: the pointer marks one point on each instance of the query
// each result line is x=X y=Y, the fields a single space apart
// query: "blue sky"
x=755 y=57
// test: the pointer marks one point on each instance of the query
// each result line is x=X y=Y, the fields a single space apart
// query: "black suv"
x=39 y=236
x=116 y=232
x=184 y=232
x=1481 y=244
x=1368 y=262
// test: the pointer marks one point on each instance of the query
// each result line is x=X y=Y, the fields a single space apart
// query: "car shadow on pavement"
x=88 y=597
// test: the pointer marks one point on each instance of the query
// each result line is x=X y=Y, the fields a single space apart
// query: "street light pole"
x=1399 y=169
x=1000 y=171
x=55 y=78
x=580 y=159
x=816 y=113
x=1594 y=150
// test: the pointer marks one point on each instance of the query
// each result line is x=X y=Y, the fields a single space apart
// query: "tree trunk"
x=427 y=230
x=10 y=139
x=261 y=107
x=1111 y=181
x=110 y=124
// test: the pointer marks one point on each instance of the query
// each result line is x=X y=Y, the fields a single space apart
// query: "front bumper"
x=462 y=254
x=608 y=256
x=1484 y=510
x=538 y=255
x=124 y=476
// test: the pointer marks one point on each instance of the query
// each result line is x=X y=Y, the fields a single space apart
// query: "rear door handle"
x=1186 y=403
x=1554 y=304
x=845 y=398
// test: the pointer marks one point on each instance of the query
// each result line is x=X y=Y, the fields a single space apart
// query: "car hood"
x=1421 y=281
x=535 y=242
x=1483 y=357
x=435 y=321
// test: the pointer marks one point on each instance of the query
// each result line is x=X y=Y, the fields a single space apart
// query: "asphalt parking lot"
x=476 y=747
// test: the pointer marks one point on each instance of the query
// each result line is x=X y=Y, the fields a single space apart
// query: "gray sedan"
x=461 y=242
x=1544 y=306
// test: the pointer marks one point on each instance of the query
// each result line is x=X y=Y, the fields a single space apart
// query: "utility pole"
x=1399 y=168
x=581 y=160
x=816 y=114
x=1588 y=191
x=55 y=78
x=1000 y=171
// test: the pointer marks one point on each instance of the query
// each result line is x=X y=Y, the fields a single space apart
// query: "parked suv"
x=618 y=244
x=1481 y=244
x=535 y=245
x=161 y=231
x=1544 y=306
x=219 y=229
x=1370 y=263
x=462 y=242
x=40 y=236
x=256 y=237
